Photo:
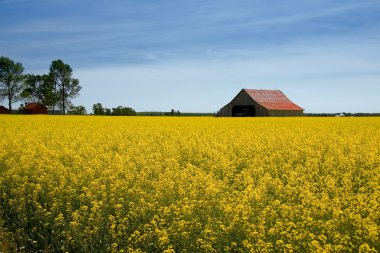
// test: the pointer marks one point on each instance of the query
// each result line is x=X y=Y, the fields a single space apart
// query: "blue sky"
x=195 y=56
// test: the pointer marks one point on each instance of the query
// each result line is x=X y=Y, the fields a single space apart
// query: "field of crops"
x=170 y=184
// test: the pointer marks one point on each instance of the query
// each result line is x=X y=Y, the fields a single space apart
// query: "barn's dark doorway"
x=243 y=111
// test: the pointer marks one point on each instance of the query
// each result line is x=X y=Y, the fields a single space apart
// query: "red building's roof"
x=33 y=106
x=3 y=109
x=273 y=100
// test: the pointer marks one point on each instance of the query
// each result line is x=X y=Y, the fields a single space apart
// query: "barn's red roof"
x=3 y=110
x=33 y=106
x=273 y=100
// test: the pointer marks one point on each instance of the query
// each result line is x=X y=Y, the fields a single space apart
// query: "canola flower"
x=167 y=184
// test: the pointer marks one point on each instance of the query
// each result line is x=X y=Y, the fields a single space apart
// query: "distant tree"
x=98 y=109
x=127 y=111
x=64 y=85
x=77 y=110
x=11 y=80
x=116 y=111
x=172 y=113
x=123 y=111
x=39 y=88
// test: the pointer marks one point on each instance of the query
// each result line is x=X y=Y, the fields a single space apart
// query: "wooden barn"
x=4 y=110
x=35 y=108
x=260 y=103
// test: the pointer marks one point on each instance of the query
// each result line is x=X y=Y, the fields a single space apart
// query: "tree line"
x=98 y=109
x=55 y=89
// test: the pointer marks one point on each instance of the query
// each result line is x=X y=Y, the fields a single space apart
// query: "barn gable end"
x=4 y=110
x=35 y=108
x=251 y=103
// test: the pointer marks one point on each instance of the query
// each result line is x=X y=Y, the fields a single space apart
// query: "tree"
x=65 y=86
x=128 y=111
x=11 y=80
x=39 y=88
x=117 y=111
x=123 y=111
x=98 y=109
x=77 y=110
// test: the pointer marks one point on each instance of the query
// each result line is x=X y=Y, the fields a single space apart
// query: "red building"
x=35 y=108
x=3 y=110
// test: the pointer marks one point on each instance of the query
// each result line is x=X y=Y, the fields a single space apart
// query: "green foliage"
x=65 y=86
x=172 y=113
x=98 y=109
x=77 y=110
x=123 y=111
x=11 y=80
x=39 y=88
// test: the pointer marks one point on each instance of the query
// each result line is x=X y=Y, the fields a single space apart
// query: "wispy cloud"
x=214 y=46
x=308 y=75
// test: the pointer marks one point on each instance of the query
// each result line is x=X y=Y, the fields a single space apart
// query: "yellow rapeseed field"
x=170 y=184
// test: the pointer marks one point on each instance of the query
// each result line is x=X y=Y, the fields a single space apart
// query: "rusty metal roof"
x=273 y=100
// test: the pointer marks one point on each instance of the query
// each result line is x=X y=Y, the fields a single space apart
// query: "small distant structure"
x=35 y=108
x=261 y=103
x=4 y=110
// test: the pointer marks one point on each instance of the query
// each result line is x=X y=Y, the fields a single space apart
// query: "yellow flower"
x=159 y=184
